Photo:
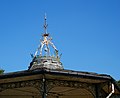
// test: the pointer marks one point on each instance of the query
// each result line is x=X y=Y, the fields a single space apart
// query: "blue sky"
x=86 y=32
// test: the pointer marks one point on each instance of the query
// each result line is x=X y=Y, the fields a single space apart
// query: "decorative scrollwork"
x=11 y=85
x=72 y=84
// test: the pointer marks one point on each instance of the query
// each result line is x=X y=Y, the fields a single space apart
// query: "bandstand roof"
x=67 y=83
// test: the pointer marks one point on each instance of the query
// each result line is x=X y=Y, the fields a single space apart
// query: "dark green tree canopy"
x=118 y=82
x=1 y=71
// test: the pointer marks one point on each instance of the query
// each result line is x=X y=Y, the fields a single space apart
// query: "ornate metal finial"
x=46 y=42
x=42 y=57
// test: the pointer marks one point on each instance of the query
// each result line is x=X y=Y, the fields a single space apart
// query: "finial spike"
x=45 y=24
x=45 y=16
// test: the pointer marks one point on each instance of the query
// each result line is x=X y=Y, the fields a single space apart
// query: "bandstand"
x=47 y=78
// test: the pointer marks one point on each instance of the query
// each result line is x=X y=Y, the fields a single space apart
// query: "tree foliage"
x=118 y=82
x=1 y=71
